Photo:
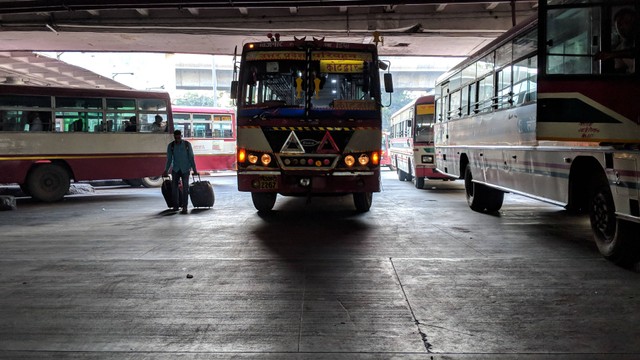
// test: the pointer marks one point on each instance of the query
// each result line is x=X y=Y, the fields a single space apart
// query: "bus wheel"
x=419 y=182
x=152 y=182
x=402 y=176
x=480 y=197
x=263 y=201
x=363 y=201
x=48 y=182
x=613 y=236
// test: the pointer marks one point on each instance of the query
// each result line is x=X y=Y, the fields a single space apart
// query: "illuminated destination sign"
x=341 y=66
x=276 y=55
x=424 y=109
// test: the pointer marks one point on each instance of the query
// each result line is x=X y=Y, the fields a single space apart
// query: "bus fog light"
x=252 y=158
x=363 y=159
x=265 y=159
x=349 y=160
x=305 y=182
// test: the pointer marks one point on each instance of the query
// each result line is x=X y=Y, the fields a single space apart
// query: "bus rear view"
x=308 y=121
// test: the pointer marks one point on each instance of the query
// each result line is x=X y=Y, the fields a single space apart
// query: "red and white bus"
x=309 y=120
x=50 y=136
x=211 y=132
x=411 y=149
x=550 y=110
x=385 y=160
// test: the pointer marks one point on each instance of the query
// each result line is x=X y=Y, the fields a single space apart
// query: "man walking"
x=181 y=161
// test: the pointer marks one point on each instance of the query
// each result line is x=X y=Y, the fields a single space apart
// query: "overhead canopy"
x=451 y=28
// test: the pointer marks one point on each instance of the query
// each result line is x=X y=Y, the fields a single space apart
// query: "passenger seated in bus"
x=77 y=125
x=626 y=25
x=157 y=124
x=34 y=122
x=131 y=126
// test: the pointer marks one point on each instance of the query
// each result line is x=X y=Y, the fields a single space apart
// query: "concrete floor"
x=108 y=276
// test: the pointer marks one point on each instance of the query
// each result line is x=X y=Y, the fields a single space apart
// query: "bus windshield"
x=331 y=80
x=424 y=123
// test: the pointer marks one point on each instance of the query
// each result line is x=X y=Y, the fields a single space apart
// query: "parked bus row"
x=558 y=122
x=51 y=136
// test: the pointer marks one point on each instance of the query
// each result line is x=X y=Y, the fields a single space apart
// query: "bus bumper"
x=429 y=173
x=297 y=184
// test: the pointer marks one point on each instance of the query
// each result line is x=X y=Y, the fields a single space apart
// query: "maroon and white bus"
x=211 y=132
x=50 y=136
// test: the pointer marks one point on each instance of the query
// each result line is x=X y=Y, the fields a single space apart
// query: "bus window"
x=152 y=105
x=78 y=121
x=201 y=130
x=222 y=126
x=78 y=103
x=25 y=101
x=570 y=33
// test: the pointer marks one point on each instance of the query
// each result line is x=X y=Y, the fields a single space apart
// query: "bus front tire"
x=613 y=236
x=48 y=182
x=419 y=182
x=363 y=201
x=480 y=197
x=263 y=201
x=402 y=176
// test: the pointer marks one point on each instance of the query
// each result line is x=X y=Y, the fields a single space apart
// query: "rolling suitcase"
x=201 y=193
x=166 y=193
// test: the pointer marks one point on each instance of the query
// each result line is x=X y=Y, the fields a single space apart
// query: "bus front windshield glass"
x=424 y=123
x=333 y=80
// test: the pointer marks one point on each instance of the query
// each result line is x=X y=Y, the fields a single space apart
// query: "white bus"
x=411 y=149
x=548 y=111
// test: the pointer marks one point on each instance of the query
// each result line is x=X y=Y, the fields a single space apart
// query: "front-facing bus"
x=309 y=121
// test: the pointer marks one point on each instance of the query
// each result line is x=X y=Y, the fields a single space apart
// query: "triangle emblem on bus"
x=327 y=145
x=292 y=145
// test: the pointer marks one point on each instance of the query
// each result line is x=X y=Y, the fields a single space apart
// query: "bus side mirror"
x=234 y=89
x=388 y=83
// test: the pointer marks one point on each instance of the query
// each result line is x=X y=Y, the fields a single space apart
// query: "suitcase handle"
x=194 y=177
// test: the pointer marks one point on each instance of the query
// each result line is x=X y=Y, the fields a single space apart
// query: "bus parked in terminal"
x=211 y=132
x=309 y=120
x=411 y=150
x=550 y=110
x=50 y=136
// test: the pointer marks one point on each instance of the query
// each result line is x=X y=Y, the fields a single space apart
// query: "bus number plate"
x=267 y=182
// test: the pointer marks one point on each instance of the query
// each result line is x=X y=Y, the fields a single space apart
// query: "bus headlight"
x=427 y=159
x=349 y=160
x=265 y=159
x=363 y=159
x=253 y=158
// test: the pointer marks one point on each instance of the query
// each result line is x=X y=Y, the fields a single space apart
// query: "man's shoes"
x=175 y=208
x=184 y=211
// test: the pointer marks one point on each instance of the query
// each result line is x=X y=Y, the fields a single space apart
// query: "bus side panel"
x=90 y=156
x=400 y=153
x=14 y=170
x=584 y=110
